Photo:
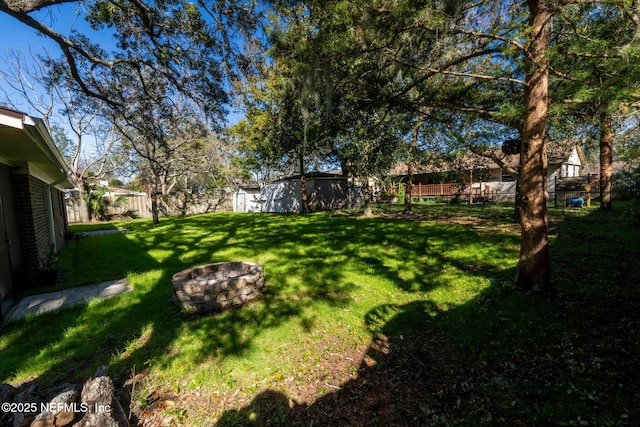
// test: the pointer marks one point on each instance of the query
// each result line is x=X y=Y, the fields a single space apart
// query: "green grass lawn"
x=346 y=299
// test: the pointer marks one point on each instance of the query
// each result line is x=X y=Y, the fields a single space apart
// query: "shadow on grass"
x=419 y=369
x=521 y=373
x=504 y=357
x=499 y=355
x=71 y=343
x=140 y=328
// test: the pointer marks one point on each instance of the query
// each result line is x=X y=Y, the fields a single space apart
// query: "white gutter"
x=46 y=145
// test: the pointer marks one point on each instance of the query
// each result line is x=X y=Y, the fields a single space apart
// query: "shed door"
x=242 y=202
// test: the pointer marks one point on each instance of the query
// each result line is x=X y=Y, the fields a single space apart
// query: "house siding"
x=247 y=200
x=32 y=216
x=282 y=196
x=327 y=194
x=28 y=209
x=571 y=167
x=324 y=193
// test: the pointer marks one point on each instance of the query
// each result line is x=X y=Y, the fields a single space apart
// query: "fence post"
x=588 y=191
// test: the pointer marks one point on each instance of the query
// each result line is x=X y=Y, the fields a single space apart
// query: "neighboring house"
x=325 y=191
x=593 y=170
x=247 y=198
x=32 y=215
x=487 y=177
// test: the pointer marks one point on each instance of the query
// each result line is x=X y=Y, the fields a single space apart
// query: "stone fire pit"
x=215 y=287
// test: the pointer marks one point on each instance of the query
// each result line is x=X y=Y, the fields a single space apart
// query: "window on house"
x=506 y=177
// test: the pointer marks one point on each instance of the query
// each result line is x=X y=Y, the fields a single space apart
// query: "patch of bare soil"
x=322 y=373
x=477 y=223
x=363 y=387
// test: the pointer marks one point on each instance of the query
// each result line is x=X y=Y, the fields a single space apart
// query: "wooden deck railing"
x=447 y=191
x=435 y=190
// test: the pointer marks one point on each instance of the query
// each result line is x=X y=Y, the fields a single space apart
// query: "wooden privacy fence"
x=138 y=205
x=134 y=206
x=72 y=206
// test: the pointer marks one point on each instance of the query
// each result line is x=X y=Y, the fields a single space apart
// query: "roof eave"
x=54 y=170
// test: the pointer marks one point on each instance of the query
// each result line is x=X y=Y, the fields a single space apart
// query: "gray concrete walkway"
x=107 y=231
x=38 y=304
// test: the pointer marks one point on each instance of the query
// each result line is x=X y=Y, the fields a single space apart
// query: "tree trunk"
x=407 y=193
x=516 y=213
x=366 y=196
x=534 y=266
x=606 y=161
x=155 y=208
x=85 y=214
x=304 y=199
x=83 y=189
x=470 y=186
x=407 y=190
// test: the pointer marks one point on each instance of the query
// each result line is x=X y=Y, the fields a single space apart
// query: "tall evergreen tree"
x=489 y=59
x=596 y=47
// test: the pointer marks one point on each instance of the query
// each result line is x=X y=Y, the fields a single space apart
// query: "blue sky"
x=19 y=38
x=62 y=18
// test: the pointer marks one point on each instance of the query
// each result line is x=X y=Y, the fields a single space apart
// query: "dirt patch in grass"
x=320 y=372
x=480 y=218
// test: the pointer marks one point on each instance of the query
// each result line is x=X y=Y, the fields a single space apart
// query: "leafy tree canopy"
x=194 y=47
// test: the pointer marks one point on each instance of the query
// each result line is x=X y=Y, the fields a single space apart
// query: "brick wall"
x=25 y=221
x=34 y=220
x=13 y=279
x=11 y=216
